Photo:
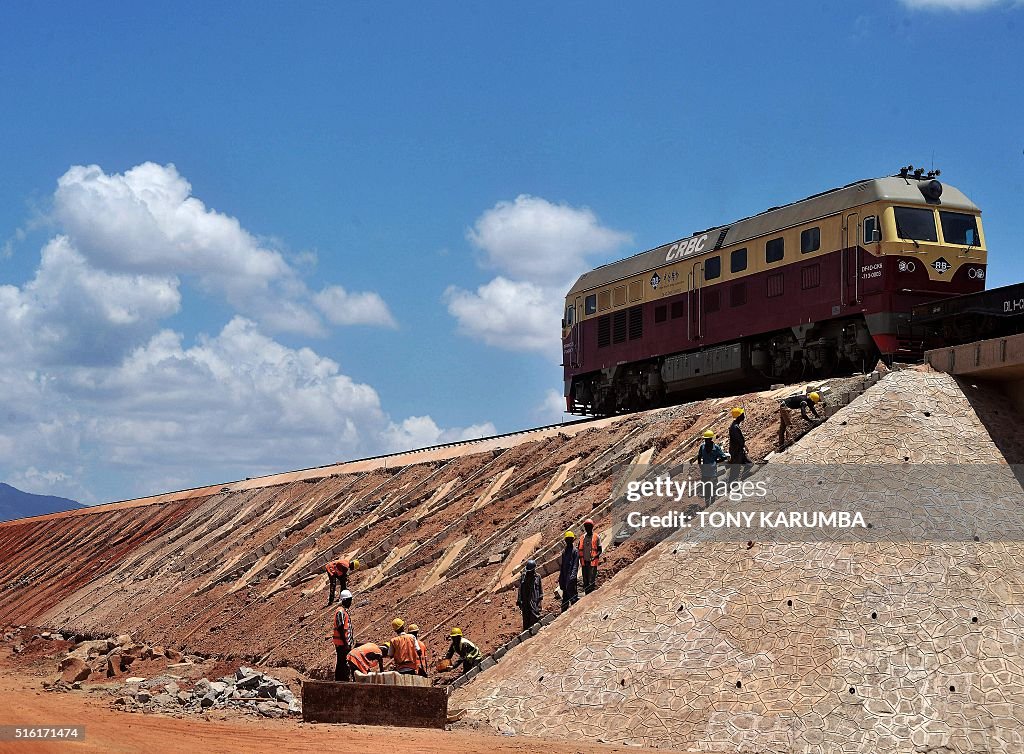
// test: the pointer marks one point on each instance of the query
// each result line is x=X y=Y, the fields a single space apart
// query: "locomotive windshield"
x=915 y=224
x=960 y=229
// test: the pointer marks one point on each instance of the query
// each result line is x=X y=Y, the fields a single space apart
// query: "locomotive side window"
x=570 y=315
x=660 y=313
x=774 y=250
x=959 y=228
x=712 y=268
x=711 y=301
x=677 y=309
x=738 y=260
x=872 y=232
x=590 y=304
x=915 y=224
x=810 y=240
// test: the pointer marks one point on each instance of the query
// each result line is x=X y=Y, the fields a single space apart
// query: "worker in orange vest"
x=403 y=649
x=343 y=636
x=590 y=555
x=337 y=572
x=364 y=656
x=421 y=649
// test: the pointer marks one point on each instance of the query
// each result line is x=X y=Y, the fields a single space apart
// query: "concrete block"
x=487 y=664
x=499 y=653
x=371 y=704
x=535 y=628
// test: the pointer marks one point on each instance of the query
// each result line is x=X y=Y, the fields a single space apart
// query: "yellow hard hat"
x=708 y=434
x=413 y=628
x=736 y=412
x=385 y=648
x=456 y=632
x=570 y=535
x=356 y=565
x=814 y=397
x=397 y=623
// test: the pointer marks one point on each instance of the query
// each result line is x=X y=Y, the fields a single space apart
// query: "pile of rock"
x=247 y=690
x=107 y=658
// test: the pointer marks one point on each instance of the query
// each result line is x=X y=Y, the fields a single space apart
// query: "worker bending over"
x=568 y=572
x=530 y=595
x=363 y=657
x=468 y=652
x=803 y=402
x=590 y=554
x=709 y=455
x=343 y=636
x=403 y=649
x=337 y=572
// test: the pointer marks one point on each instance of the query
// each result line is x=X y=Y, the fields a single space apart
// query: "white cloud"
x=956 y=5
x=518 y=316
x=344 y=308
x=146 y=221
x=421 y=431
x=532 y=239
x=99 y=400
x=551 y=410
x=540 y=247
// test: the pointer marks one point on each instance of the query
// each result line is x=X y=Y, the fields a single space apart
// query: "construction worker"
x=468 y=652
x=738 y=457
x=590 y=554
x=421 y=649
x=343 y=637
x=801 y=401
x=568 y=572
x=530 y=595
x=709 y=455
x=403 y=649
x=364 y=656
x=337 y=572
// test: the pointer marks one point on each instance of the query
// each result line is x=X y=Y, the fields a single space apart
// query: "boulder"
x=147 y=652
x=75 y=670
x=172 y=688
x=183 y=698
x=284 y=694
x=173 y=655
x=124 y=640
x=126 y=662
x=164 y=700
x=249 y=681
x=209 y=700
x=143 y=696
x=134 y=679
x=218 y=688
x=243 y=672
x=122 y=701
x=159 y=651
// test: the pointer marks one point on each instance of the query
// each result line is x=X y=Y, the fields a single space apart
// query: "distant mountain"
x=17 y=504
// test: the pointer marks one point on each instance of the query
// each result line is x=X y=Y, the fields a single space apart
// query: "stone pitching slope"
x=797 y=647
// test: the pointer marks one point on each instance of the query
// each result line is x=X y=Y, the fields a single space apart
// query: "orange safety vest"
x=337 y=567
x=403 y=650
x=595 y=542
x=342 y=628
x=422 y=652
x=364 y=657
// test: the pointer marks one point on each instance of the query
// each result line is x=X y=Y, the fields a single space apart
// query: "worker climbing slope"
x=337 y=573
x=738 y=458
x=709 y=455
x=590 y=556
x=530 y=595
x=568 y=572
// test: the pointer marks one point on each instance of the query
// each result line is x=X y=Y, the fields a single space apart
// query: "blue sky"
x=261 y=236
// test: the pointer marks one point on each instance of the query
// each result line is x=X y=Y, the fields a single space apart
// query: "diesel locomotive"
x=802 y=291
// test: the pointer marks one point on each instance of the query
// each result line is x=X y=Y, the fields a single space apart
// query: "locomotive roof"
x=890 y=188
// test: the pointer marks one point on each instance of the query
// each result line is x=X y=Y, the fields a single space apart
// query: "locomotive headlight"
x=931 y=190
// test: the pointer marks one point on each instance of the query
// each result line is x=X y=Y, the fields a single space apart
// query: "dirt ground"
x=24 y=702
